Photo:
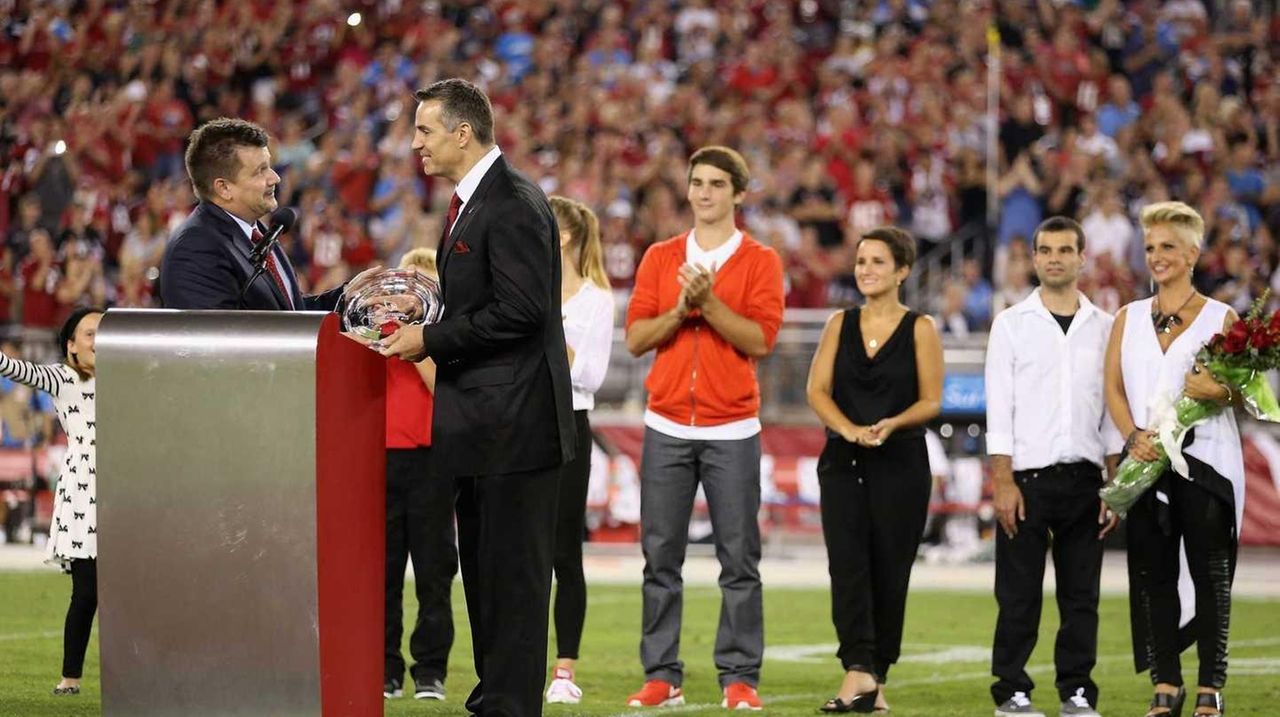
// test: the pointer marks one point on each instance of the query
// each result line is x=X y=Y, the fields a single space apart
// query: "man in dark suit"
x=206 y=263
x=503 y=419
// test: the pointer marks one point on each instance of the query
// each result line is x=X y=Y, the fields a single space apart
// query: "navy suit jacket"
x=206 y=265
x=502 y=401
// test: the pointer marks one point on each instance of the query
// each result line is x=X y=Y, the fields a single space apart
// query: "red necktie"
x=455 y=203
x=273 y=268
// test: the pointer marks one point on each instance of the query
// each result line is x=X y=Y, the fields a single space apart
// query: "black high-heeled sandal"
x=862 y=703
x=1173 y=702
x=1211 y=699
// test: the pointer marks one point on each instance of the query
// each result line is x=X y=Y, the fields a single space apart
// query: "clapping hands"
x=695 y=285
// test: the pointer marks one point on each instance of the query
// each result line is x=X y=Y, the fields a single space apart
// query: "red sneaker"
x=657 y=693
x=741 y=696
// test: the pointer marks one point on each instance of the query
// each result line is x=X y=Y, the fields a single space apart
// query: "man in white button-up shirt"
x=1049 y=437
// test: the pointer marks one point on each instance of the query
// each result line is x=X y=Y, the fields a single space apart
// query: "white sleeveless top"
x=1148 y=373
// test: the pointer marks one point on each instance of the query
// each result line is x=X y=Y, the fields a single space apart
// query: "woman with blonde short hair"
x=1150 y=363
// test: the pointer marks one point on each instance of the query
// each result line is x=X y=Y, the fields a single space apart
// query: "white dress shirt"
x=588 y=330
x=1045 y=402
x=471 y=180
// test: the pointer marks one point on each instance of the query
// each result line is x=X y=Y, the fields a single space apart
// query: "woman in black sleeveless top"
x=875 y=380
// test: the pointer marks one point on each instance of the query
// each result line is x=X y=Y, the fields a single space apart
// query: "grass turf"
x=944 y=671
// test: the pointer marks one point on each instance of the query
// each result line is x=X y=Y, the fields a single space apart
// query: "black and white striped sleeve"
x=48 y=378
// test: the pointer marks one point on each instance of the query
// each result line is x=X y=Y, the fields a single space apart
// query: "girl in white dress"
x=1150 y=364
x=587 y=307
x=73 y=539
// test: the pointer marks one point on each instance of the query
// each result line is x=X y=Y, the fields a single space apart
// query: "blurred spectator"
x=814 y=204
x=18 y=241
x=26 y=416
x=134 y=290
x=1119 y=111
x=39 y=277
x=1107 y=229
x=1015 y=282
x=978 y=295
x=952 y=321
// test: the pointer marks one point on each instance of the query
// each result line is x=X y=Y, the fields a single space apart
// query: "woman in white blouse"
x=73 y=539
x=1150 y=363
x=587 y=307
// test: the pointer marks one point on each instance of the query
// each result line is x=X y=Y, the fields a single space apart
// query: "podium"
x=241 y=513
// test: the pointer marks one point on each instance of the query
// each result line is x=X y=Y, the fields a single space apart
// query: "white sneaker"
x=1018 y=706
x=562 y=690
x=1077 y=705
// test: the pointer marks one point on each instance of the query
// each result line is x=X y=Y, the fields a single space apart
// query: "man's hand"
x=406 y=343
x=696 y=282
x=1010 y=508
x=1107 y=519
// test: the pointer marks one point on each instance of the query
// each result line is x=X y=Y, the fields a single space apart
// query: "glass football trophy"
x=377 y=306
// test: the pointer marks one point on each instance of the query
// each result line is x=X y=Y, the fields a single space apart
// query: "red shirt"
x=39 y=304
x=409 y=404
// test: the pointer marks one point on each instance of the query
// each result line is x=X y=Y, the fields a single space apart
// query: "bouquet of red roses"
x=1239 y=360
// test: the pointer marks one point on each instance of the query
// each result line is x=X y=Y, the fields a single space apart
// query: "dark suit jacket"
x=502 y=402
x=206 y=264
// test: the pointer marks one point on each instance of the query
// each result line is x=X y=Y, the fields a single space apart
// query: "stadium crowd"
x=850 y=115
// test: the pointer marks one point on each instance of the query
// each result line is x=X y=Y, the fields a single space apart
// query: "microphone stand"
x=259 y=258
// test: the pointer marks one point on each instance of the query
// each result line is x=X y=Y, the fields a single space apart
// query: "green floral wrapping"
x=1134 y=477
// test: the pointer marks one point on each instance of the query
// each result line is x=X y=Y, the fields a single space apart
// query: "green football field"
x=944 y=669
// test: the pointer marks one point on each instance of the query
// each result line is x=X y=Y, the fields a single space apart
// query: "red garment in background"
x=409 y=405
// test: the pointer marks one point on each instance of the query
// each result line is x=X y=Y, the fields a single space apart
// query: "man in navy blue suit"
x=207 y=261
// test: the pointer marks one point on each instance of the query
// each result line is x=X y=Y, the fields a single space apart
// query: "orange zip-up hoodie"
x=698 y=378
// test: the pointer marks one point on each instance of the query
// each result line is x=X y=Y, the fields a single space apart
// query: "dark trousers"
x=571 y=526
x=874 y=504
x=84 y=603
x=506 y=531
x=1207 y=525
x=419 y=527
x=1062 y=515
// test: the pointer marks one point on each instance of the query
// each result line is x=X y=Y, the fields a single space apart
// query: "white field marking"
x=939 y=653
x=1253 y=666
x=29 y=635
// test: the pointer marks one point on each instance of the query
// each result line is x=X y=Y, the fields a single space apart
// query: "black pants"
x=1062 y=515
x=874 y=504
x=1207 y=524
x=506 y=532
x=419 y=527
x=84 y=603
x=571 y=525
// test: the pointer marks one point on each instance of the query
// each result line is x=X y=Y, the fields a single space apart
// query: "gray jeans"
x=729 y=471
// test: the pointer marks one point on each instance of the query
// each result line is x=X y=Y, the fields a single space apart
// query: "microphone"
x=282 y=220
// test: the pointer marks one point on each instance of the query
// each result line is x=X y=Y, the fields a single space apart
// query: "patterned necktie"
x=273 y=268
x=455 y=203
